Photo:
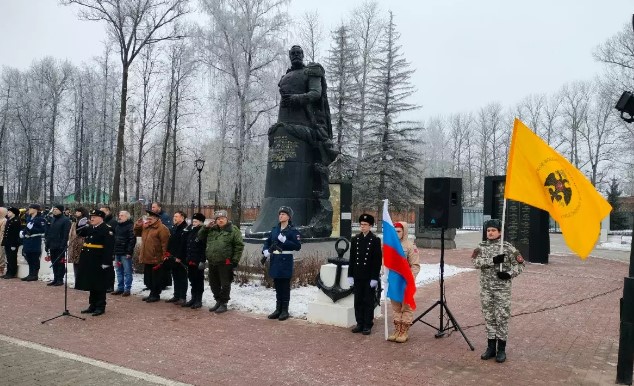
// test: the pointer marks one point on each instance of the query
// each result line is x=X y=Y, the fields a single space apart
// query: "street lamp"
x=200 y=163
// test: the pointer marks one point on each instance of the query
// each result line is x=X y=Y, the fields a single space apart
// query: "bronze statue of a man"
x=300 y=150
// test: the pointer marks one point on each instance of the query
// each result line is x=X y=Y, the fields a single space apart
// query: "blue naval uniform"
x=281 y=265
x=32 y=235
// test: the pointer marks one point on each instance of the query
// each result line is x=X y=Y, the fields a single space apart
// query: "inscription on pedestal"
x=284 y=149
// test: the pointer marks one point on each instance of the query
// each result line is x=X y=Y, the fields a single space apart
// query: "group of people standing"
x=174 y=251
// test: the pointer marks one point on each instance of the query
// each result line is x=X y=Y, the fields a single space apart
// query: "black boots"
x=277 y=312
x=284 y=312
x=490 y=351
x=195 y=302
x=501 y=355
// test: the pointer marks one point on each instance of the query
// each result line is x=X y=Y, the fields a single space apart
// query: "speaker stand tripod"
x=451 y=323
x=65 y=312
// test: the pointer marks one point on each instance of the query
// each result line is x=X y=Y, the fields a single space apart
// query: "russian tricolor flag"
x=401 y=285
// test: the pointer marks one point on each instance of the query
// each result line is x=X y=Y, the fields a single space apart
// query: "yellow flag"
x=539 y=176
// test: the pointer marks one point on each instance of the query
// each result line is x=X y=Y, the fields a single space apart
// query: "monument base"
x=430 y=238
x=323 y=310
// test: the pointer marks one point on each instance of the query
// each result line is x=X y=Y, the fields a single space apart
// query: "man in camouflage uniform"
x=497 y=265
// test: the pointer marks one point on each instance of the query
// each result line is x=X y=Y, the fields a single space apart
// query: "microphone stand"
x=65 y=312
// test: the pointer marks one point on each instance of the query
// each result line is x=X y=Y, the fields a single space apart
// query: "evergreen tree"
x=343 y=89
x=617 y=219
x=390 y=163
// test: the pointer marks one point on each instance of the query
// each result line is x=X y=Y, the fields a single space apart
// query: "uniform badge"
x=519 y=259
x=111 y=234
x=297 y=237
x=475 y=253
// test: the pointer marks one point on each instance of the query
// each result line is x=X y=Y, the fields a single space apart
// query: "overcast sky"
x=466 y=53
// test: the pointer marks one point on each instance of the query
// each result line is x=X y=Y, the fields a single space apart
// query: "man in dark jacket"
x=195 y=252
x=363 y=273
x=11 y=242
x=223 y=251
x=112 y=221
x=124 y=242
x=32 y=236
x=157 y=207
x=176 y=259
x=95 y=259
x=56 y=243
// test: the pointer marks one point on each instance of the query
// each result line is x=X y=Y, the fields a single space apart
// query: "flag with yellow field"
x=539 y=176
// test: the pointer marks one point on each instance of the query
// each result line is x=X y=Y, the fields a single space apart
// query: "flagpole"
x=385 y=301
x=502 y=232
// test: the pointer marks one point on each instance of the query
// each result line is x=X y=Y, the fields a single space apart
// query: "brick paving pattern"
x=564 y=331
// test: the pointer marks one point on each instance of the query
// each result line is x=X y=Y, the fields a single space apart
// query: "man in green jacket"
x=223 y=251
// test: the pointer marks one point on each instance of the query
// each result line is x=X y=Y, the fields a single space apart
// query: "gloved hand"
x=201 y=266
x=227 y=262
x=350 y=281
x=192 y=264
x=504 y=275
x=266 y=253
x=498 y=259
x=373 y=283
x=13 y=248
x=166 y=255
x=21 y=234
x=104 y=266
x=282 y=238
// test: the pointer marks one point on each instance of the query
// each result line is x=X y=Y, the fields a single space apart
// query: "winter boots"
x=397 y=331
x=284 y=312
x=490 y=351
x=400 y=334
x=195 y=302
x=277 y=312
x=402 y=337
x=501 y=355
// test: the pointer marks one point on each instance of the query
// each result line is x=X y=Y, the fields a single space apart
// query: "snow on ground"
x=261 y=300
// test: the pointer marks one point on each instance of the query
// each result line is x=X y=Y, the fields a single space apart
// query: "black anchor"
x=336 y=292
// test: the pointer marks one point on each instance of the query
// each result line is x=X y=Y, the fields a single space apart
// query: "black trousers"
x=153 y=279
x=97 y=299
x=33 y=259
x=220 y=278
x=57 y=260
x=12 y=260
x=110 y=276
x=179 y=275
x=364 y=303
x=197 y=280
x=282 y=289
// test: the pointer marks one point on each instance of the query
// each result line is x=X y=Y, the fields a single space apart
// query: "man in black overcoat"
x=94 y=262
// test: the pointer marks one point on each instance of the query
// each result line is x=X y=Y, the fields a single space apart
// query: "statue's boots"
x=490 y=351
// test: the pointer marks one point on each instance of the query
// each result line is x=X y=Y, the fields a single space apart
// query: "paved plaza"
x=564 y=330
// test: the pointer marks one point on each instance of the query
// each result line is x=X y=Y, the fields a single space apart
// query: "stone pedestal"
x=323 y=310
x=430 y=238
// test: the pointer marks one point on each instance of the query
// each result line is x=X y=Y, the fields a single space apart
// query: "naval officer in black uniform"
x=363 y=273
x=94 y=261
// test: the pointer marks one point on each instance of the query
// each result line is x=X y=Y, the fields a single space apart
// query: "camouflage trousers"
x=495 y=297
x=402 y=312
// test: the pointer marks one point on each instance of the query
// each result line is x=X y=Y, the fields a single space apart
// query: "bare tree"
x=575 y=97
x=241 y=45
x=132 y=24
x=310 y=34
x=366 y=27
